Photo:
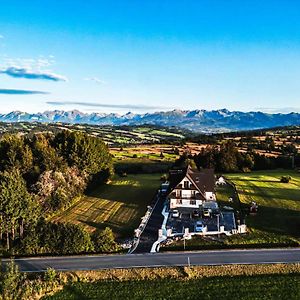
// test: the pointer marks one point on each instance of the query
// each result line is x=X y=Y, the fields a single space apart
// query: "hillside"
x=112 y=135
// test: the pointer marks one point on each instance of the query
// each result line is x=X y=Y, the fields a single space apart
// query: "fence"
x=142 y=226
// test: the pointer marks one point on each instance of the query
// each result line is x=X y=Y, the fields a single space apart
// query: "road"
x=218 y=257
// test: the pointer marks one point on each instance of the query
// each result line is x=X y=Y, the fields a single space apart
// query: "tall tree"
x=15 y=154
x=90 y=154
x=16 y=204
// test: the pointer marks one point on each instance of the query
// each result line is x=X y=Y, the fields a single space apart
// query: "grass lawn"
x=242 y=287
x=119 y=204
x=279 y=203
x=223 y=193
x=277 y=222
x=221 y=282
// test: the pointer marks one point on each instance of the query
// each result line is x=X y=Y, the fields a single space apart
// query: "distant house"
x=221 y=181
x=190 y=188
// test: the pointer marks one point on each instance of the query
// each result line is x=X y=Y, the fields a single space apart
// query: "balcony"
x=183 y=197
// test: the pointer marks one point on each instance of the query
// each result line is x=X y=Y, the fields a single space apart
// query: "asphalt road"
x=218 y=257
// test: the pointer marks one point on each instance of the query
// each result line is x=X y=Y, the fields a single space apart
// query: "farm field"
x=279 y=203
x=112 y=135
x=221 y=282
x=118 y=205
x=153 y=152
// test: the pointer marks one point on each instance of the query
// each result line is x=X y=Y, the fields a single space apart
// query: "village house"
x=190 y=188
x=221 y=181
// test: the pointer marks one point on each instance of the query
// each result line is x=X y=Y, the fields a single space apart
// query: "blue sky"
x=140 y=56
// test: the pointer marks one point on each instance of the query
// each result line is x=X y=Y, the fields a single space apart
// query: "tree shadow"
x=119 y=229
x=124 y=193
x=275 y=193
x=259 y=180
x=274 y=220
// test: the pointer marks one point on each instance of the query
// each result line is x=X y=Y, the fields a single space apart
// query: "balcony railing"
x=185 y=197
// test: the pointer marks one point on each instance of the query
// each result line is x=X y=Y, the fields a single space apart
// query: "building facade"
x=190 y=188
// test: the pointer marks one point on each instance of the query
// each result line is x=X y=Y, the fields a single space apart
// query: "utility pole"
x=218 y=224
x=293 y=161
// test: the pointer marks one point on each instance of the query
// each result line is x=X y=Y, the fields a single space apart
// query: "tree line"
x=227 y=158
x=41 y=174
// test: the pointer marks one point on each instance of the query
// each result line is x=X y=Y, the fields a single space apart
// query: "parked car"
x=199 y=226
x=196 y=214
x=207 y=212
x=175 y=213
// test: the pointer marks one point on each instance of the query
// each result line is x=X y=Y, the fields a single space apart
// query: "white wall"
x=210 y=196
x=174 y=203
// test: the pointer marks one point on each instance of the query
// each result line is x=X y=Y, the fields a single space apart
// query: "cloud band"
x=104 y=105
x=17 y=72
x=20 y=92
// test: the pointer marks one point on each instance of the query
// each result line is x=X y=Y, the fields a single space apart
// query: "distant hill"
x=203 y=121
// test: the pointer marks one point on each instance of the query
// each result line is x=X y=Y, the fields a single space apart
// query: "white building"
x=221 y=181
x=190 y=188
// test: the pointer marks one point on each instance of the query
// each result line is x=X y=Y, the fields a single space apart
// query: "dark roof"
x=175 y=176
x=204 y=180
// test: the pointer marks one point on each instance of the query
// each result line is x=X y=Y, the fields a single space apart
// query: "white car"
x=175 y=213
x=207 y=212
x=199 y=226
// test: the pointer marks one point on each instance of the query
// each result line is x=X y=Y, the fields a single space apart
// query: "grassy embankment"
x=118 y=205
x=220 y=282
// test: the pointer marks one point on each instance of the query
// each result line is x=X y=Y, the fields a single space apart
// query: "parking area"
x=190 y=218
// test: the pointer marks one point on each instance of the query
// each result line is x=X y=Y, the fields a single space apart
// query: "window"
x=178 y=193
x=193 y=202
x=179 y=201
x=186 y=184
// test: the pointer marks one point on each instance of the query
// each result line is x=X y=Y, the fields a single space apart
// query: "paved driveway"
x=150 y=233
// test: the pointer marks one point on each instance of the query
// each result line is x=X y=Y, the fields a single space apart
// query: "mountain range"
x=203 y=121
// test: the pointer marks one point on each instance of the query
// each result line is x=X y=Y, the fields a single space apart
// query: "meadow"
x=221 y=282
x=112 y=135
x=120 y=204
x=279 y=203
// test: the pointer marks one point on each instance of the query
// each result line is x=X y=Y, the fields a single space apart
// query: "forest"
x=41 y=174
x=228 y=158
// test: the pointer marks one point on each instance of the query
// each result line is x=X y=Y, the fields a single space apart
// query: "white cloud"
x=95 y=79
x=29 y=63
x=31 y=68
x=105 y=105
x=275 y=110
x=18 y=72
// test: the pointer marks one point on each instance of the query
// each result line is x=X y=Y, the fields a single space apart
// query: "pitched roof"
x=175 y=177
x=203 y=180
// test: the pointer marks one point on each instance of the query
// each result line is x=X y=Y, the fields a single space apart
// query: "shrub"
x=285 y=179
x=164 y=177
x=104 y=241
x=50 y=275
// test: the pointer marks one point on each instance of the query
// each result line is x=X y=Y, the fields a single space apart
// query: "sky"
x=144 y=56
